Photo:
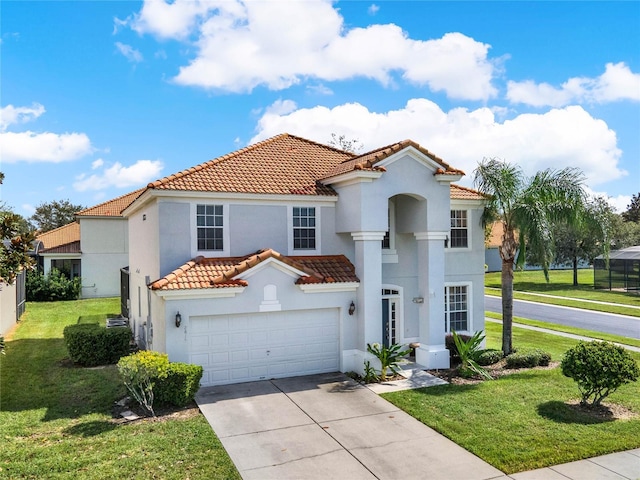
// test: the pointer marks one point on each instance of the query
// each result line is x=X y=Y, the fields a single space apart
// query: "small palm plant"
x=389 y=357
x=469 y=351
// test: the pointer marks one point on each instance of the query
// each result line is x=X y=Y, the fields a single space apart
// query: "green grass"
x=55 y=421
x=609 y=337
x=561 y=284
x=521 y=422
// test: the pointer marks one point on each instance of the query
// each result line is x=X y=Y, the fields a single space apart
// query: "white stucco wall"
x=104 y=243
x=7 y=307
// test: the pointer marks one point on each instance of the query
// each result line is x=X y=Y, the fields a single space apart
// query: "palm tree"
x=528 y=206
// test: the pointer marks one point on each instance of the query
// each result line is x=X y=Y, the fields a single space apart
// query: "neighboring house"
x=94 y=247
x=288 y=257
x=60 y=249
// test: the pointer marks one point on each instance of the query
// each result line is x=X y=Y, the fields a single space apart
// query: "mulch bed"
x=497 y=370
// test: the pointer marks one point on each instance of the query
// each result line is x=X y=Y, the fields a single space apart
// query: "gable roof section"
x=281 y=165
x=369 y=160
x=65 y=239
x=223 y=272
x=457 y=192
x=111 y=208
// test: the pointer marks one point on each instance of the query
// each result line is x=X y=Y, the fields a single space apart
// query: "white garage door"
x=242 y=348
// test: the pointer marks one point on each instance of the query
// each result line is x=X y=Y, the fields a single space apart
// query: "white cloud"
x=243 y=45
x=43 y=147
x=373 y=9
x=130 y=53
x=555 y=139
x=617 y=83
x=28 y=208
x=319 y=89
x=117 y=175
x=97 y=163
x=10 y=115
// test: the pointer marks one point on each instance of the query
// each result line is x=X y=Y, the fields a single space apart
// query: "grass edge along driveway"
x=522 y=421
x=55 y=421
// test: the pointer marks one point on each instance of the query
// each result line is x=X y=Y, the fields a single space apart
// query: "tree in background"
x=51 y=215
x=624 y=234
x=583 y=240
x=14 y=244
x=340 y=142
x=529 y=206
x=633 y=210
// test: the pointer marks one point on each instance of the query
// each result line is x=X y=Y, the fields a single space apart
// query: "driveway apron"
x=329 y=427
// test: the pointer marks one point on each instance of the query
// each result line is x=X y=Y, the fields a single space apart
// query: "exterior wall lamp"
x=352 y=308
x=418 y=300
x=178 y=319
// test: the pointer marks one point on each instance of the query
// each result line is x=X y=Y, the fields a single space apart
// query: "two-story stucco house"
x=288 y=257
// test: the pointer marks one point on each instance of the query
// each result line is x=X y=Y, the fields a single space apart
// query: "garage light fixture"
x=352 y=308
x=178 y=319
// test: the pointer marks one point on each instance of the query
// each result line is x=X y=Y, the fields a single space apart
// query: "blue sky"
x=100 y=98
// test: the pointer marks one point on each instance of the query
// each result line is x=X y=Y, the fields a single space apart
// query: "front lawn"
x=56 y=421
x=521 y=421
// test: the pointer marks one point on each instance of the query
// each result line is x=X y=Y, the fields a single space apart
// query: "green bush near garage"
x=91 y=345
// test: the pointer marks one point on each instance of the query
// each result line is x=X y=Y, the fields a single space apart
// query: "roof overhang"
x=199 y=293
x=329 y=287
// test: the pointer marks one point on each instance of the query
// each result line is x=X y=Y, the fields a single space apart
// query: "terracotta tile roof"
x=283 y=165
x=65 y=235
x=457 y=192
x=222 y=272
x=368 y=161
x=495 y=237
x=111 y=208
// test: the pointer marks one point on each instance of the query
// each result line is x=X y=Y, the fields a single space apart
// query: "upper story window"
x=304 y=228
x=209 y=221
x=459 y=231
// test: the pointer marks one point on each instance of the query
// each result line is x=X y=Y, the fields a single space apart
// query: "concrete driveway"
x=329 y=427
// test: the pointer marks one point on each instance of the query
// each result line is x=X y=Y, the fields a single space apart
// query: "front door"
x=390 y=316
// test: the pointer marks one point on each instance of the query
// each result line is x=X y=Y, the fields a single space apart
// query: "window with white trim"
x=459 y=236
x=210 y=226
x=304 y=228
x=456 y=308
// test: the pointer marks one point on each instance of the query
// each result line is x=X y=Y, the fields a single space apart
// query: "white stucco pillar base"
x=433 y=356
x=353 y=361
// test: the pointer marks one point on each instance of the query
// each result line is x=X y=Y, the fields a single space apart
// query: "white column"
x=369 y=270
x=432 y=352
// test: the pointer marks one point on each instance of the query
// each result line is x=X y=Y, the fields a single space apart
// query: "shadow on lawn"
x=561 y=412
x=91 y=429
x=34 y=376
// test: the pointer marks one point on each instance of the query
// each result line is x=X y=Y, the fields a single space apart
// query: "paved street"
x=574 y=317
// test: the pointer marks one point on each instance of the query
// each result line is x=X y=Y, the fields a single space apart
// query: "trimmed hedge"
x=489 y=357
x=90 y=345
x=180 y=385
x=528 y=359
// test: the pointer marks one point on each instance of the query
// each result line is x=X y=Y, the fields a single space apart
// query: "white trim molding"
x=329 y=287
x=431 y=235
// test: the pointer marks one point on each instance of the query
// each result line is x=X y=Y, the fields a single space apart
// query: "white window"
x=456 y=308
x=459 y=236
x=389 y=252
x=210 y=227
x=304 y=228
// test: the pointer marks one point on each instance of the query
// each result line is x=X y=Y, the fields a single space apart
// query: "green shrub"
x=51 y=287
x=599 y=368
x=450 y=345
x=489 y=357
x=180 y=385
x=90 y=344
x=140 y=372
x=389 y=357
x=468 y=351
x=528 y=359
